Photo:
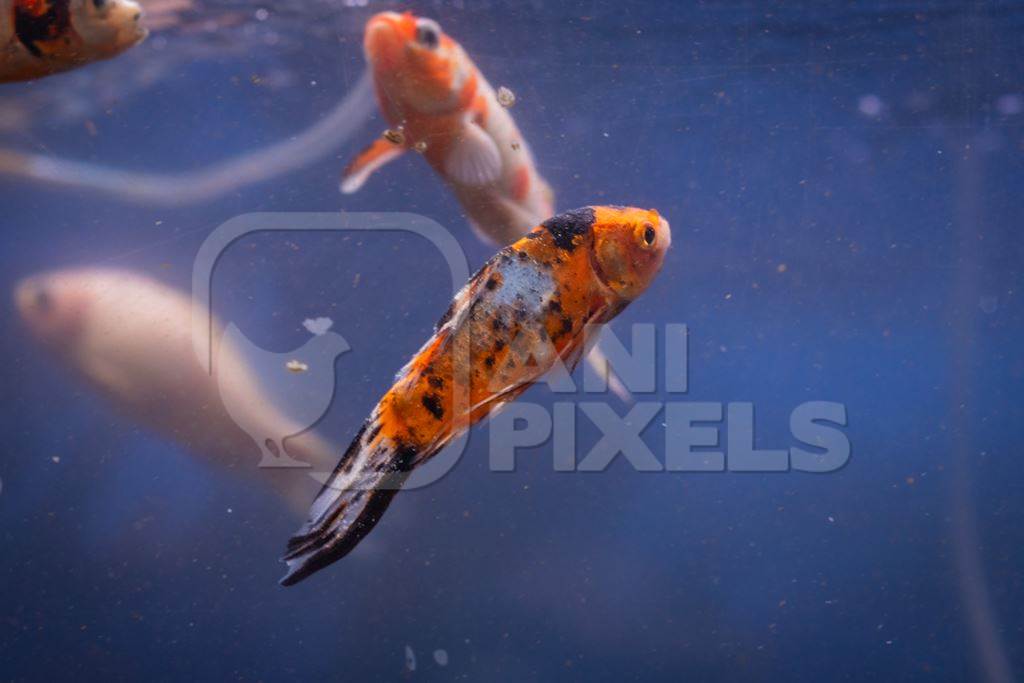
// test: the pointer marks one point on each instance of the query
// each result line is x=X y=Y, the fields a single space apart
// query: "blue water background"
x=824 y=249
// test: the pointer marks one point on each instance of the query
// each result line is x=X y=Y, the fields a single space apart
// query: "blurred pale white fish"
x=130 y=338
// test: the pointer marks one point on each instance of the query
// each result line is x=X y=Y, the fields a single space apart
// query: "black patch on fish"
x=521 y=255
x=491 y=283
x=534 y=235
x=497 y=324
x=34 y=28
x=435 y=382
x=564 y=227
x=566 y=325
x=349 y=459
x=432 y=402
x=373 y=433
x=555 y=305
x=499 y=344
x=405 y=455
x=489 y=361
x=446 y=317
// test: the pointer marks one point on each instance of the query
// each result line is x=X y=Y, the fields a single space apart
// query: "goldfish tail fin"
x=350 y=504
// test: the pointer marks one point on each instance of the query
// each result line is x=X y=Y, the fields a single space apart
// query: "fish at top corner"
x=438 y=103
x=42 y=37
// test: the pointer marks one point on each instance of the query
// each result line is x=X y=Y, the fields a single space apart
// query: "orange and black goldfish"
x=438 y=103
x=528 y=308
x=43 y=37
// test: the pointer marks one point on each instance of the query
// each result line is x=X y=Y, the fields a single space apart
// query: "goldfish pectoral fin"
x=474 y=159
x=349 y=506
x=599 y=363
x=380 y=152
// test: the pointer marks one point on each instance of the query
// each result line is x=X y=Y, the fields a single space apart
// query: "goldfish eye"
x=428 y=33
x=649 y=234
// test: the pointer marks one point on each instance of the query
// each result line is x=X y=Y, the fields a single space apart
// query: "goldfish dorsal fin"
x=380 y=152
x=474 y=159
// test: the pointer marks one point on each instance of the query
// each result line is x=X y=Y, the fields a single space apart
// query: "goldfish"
x=529 y=307
x=43 y=37
x=438 y=103
x=129 y=338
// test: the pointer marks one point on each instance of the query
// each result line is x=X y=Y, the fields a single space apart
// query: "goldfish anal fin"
x=379 y=153
x=474 y=159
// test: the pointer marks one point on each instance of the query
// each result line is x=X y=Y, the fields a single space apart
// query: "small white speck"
x=870 y=105
x=831 y=519
x=230 y=511
x=296 y=366
x=55 y=458
x=441 y=657
x=262 y=14
x=506 y=97
x=410 y=659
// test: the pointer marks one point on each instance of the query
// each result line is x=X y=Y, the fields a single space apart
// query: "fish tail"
x=350 y=504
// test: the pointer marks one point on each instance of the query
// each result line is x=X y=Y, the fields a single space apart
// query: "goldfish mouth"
x=384 y=38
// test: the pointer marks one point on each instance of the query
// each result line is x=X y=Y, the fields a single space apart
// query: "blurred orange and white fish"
x=43 y=37
x=438 y=103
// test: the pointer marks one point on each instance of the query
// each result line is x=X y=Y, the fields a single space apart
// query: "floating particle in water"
x=318 y=326
x=870 y=105
x=506 y=97
x=441 y=657
x=1010 y=104
x=420 y=146
x=296 y=366
x=988 y=304
x=395 y=136
x=782 y=268
x=516 y=146
x=831 y=519
x=56 y=459
x=410 y=659
x=262 y=14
